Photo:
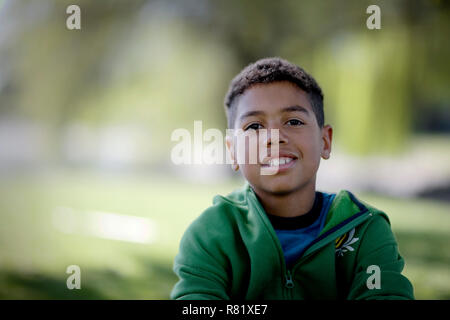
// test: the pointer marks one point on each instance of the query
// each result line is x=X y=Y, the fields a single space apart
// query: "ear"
x=327 y=137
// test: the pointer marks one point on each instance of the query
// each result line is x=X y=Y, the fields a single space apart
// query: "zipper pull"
x=289 y=283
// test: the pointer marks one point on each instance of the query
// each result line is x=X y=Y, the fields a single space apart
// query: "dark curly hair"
x=270 y=70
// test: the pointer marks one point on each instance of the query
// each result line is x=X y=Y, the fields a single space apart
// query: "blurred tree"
x=165 y=64
x=369 y=90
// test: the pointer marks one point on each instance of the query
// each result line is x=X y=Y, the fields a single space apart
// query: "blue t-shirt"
x=297 y=233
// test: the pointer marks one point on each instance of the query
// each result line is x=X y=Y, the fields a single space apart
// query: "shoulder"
x=360 y=206
x=220 y=220
x=213 y=237
x=347 y=208
x=377 y=215
x=376 y=231
x=373 y=228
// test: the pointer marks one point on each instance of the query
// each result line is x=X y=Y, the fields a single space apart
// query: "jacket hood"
x=344 y=208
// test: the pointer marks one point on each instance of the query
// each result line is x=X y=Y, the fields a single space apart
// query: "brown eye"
x=253 y=126
x=295 y=122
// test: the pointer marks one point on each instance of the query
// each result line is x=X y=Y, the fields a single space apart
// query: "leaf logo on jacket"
x=344 y=242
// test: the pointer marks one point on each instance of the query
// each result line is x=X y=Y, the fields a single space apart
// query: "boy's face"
x=283 y=106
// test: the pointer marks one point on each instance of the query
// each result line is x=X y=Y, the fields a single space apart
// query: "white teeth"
x=279 y=161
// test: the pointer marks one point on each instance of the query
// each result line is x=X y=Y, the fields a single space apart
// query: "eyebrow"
x=250 y=114
x=295 y=108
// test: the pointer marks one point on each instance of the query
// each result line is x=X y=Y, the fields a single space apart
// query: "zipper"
x=289 y=283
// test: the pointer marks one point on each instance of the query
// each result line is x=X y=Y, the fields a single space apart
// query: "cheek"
x=312 y=148
x=251 y=172
x=246 y=150
x=252 y=150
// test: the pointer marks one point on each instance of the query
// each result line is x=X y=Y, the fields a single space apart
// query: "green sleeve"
x=379 y=248
x=200 y=265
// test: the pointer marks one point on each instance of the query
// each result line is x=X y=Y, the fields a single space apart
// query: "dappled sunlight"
x=105 y=225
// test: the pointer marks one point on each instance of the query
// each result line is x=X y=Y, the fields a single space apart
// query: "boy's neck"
x=294 y=204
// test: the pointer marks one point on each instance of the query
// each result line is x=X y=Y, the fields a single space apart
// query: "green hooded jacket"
x=232 y=252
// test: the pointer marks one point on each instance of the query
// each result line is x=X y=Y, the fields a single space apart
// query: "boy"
x=277 y=237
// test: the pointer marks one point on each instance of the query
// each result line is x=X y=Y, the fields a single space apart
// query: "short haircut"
x=270 y=70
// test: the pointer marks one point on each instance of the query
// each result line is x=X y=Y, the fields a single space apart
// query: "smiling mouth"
x=281 y=162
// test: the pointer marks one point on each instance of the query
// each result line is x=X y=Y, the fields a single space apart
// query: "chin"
x=281 y=188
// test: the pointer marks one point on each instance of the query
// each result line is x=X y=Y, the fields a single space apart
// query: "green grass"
x=34 y=255
x=422 y=231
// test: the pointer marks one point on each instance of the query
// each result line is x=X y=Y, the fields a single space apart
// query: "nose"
x=275 y=136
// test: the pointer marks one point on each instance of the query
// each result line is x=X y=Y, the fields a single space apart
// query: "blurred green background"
x=86 y=118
